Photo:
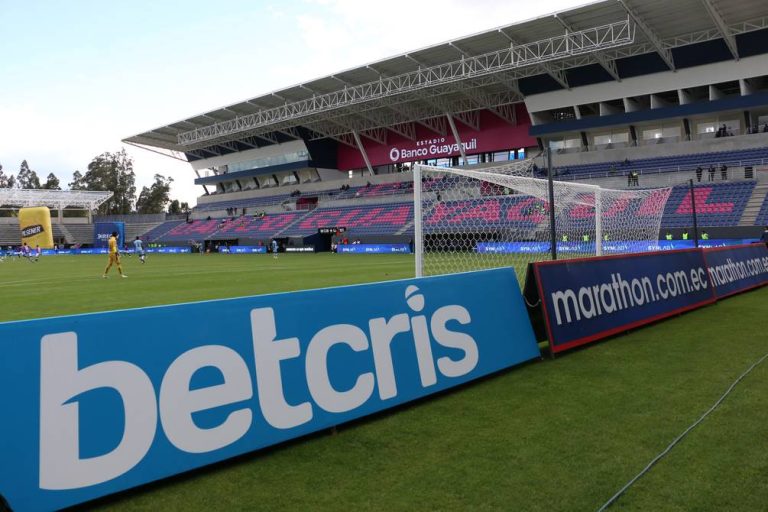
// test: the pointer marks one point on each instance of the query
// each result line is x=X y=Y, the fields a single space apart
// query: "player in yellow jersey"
x=114 y=256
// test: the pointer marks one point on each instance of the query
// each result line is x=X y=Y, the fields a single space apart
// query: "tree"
x=77 y=181
x=185 y=208
x=111 y=172
x=52 y=182
x=154 y=198
x=27 y=178
x=4 y=178
x=174 y=208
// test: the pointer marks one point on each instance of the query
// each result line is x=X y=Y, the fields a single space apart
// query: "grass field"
x=561 y=434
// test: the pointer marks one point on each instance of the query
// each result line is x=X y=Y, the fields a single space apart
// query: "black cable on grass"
x=679 y=438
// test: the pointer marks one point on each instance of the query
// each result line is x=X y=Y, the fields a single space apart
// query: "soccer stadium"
x=522 y=269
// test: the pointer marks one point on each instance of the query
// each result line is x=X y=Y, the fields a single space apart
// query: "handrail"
x=616 y=173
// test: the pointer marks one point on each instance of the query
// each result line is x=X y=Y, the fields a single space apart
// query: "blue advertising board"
x=737 y=269
x=588 y=299
x=248 y=249
x=103 y=250
x=374 y=248
x=103 y=230
x=88 y=418
x=609 y=247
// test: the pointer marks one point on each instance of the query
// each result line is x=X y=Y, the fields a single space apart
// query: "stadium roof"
x=24 y=198
x=488 y=70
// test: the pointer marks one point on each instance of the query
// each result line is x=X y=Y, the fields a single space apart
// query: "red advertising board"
x=494 y=134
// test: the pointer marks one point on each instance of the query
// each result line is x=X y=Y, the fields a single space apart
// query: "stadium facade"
x=606 y=75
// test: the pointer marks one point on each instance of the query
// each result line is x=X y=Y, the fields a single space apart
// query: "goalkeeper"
x=114 y=256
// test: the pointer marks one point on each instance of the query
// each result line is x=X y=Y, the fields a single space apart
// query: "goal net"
x=472 y=219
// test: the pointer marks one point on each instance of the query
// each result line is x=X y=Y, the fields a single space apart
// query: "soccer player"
x=274 y=249
x=114 y=256
x=38 y=252
x=139 y=249
x=26 y=252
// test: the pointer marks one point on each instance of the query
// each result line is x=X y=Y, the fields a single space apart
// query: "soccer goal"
x=472 y=219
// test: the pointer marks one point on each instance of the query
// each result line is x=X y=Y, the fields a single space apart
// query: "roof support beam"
x=456 y=137
x=171 y=153
x=664 y=52
x=717 y=18
x=361 y=148
x=608 y=65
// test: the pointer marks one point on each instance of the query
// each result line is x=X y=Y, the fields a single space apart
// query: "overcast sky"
x=78 y=76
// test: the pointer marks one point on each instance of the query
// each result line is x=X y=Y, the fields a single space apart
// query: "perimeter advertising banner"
x=96 y=409
x=35 y=225
x=737 y=269
x=588 y=299
x=103 y=230
x=374 y=248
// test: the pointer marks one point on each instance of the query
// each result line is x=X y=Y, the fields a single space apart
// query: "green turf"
x=552 y=435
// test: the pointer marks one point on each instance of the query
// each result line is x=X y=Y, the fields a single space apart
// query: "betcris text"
x=208 y=381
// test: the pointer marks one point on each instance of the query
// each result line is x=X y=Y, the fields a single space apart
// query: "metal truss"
x=608 y=65
x=558 y=76
x=57 y=199
x=515 y=57
x=431 y=115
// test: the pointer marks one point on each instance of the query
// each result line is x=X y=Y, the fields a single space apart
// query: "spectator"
x=765 y=128
x=711 y=172
x=629 y=178
x=724 y=172
x=764 y=238
x=699 y=173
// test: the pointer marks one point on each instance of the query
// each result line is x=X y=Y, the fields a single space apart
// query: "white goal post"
x=470 y=219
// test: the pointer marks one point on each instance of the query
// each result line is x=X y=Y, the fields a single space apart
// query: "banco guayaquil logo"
x=394 y=154
x=31 y=231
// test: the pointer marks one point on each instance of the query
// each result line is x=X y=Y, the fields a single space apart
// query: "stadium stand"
x=762 y=216
x=359 y=220
x=686 y=162
x=717 y=205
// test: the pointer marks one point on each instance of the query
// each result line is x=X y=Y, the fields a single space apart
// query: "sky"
x=77 y=77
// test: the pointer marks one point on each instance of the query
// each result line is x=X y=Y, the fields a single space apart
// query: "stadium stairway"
x=762 y=217
x=755 y=206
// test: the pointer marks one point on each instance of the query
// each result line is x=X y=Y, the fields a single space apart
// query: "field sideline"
x=561 y=434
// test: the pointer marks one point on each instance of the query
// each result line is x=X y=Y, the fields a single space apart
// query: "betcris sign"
x=374 y=248
x=103 y=230
x=92 y=408
x=588 y=299
x=737 y=269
